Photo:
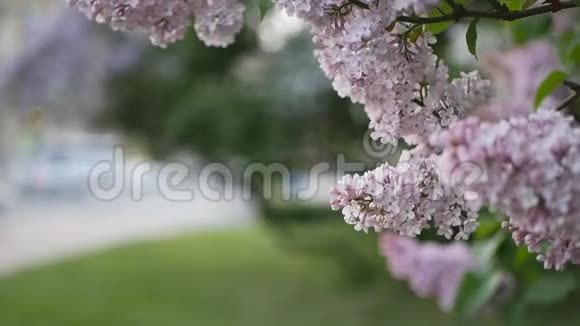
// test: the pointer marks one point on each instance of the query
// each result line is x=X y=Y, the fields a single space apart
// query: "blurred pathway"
x=37 y=235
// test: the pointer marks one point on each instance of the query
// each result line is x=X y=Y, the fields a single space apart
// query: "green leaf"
x=549 y=85
x=532 y=28
x=471 y=38
x=263 y=7
x=514 y=4
x=475 y=291
x=529 y=3
x=485 y=250
x=515 y=312
x=551 y=288
x=487 y=227
x=522 y=257
x=565 y=43
x=497 y=5
x=438 y=28
x=573 y=55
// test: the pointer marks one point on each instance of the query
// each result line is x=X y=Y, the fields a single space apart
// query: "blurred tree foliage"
x=236 y=103
x=248 y=105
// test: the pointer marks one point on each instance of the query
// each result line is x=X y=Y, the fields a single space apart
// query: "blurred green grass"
x=225 y=278
x=222 y=278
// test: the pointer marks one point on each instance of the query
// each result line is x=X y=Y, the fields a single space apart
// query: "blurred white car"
x=59 y=171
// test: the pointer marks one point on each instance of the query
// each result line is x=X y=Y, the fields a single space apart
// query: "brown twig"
x=575 y=88
x=461 y=12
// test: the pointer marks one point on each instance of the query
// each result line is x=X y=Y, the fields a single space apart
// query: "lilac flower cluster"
x=403 y=85
x=407 y=94
x=531 y=172
x=432 y=270
x=166 y=21
x=405 y=199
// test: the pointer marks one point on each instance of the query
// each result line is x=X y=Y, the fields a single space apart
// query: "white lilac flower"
x=530 y=172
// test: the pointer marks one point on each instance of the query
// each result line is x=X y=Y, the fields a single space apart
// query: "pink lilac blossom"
x=531 y=172
x=166 y=21
x=403 y=85
x=432 y=270
x=217 y=24
x=405 y=199
x=407 y=94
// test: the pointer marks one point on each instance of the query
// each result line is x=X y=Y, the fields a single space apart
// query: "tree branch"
x=574 y=87
x=459 y=14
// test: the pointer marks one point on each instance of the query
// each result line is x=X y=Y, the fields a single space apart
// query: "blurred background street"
x=41 y=233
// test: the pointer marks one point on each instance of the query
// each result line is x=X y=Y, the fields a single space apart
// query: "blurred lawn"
x=228 y=278
x=232 y=278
